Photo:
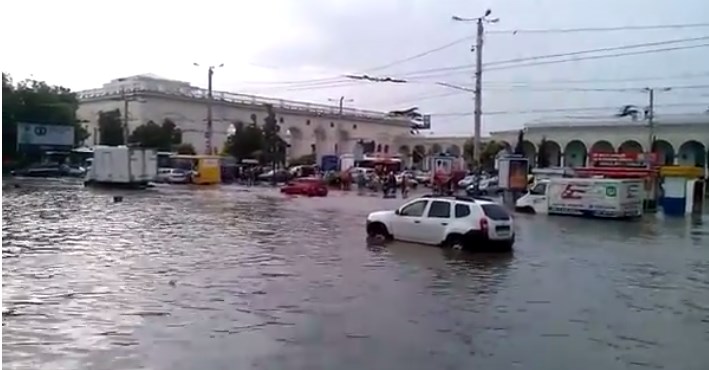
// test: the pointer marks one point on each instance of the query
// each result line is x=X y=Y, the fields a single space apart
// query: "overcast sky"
x=278 y=47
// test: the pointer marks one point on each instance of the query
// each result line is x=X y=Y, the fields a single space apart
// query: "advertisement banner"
x=44 y=135
x=633 y=160
x=513 y=173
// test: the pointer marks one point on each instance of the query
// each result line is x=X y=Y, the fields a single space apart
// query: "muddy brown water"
x=236 y=278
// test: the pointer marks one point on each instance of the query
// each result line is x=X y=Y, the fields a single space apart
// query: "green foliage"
x=275 y=146
x=418 y=154
x=519 y=147
x=246 y=142
x=254 y=142
x=36 y=102
x=161 y=137
x=110 y=127
x=185 y=148
x=487 y=155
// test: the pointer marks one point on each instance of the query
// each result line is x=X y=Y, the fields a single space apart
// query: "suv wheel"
x=377 y=230
x=454 y=241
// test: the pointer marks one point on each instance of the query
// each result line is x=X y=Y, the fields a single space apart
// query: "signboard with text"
x=44 y=136
x=631 y=160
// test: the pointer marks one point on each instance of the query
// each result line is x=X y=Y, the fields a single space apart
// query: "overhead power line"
x=584 y=89
x=462 y=39
x=641 y=52
x=419 y=55
x=550 y=56
x=601 y=80
x=604 y=29
x=370 y=69
x=561 y=110
x=500 y=65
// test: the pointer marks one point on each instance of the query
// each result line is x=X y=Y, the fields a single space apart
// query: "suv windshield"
x=495 y=212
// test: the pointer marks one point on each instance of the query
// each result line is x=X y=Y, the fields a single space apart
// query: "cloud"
x=83 y=44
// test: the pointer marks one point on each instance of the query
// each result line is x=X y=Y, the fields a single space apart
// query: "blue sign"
x=45 y=135
x=329 y=163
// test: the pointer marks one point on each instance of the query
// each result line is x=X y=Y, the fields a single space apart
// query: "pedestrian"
x=404 y=187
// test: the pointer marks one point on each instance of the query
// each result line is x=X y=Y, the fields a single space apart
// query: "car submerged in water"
x=308 y=186
x=474 y=224
x=173 y=176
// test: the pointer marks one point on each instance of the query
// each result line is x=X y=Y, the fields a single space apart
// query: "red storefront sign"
x=628 y=160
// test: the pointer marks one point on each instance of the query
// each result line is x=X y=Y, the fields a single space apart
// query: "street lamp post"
x=208 y=132
x=341 y=101
x=480 y=21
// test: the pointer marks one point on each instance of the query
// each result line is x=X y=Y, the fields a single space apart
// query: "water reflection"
x=244 y=278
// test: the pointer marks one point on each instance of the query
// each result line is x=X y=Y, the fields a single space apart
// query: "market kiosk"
x=683 y=190
x=626 y=166
x=513 y=178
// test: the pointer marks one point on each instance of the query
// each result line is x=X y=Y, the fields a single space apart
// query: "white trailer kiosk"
x=606 y=198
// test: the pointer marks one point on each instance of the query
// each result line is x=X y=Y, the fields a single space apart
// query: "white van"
x=611 y=198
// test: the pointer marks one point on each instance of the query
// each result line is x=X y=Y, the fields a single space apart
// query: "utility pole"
x=651 y=121
x=208 y=133
x=126 y=130
x=342 y=101
x=478 y=91
x=478 y=79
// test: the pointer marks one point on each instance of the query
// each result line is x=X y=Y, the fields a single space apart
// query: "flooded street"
x=238 y=278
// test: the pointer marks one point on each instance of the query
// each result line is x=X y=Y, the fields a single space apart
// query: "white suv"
x=475 y=224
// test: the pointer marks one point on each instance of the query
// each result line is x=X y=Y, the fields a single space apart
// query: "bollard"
x=117 y=198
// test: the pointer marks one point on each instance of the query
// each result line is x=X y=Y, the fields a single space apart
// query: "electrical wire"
x=549 y=56
x=561 y=110
x=583 y=89
x=642 y=52
x=603 y=29
x=501 y=66
x=460 y=40
x=371 y=69
x=420 y=55
x=601 y=80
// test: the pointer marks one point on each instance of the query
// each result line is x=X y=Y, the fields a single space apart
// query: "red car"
x=310 y=186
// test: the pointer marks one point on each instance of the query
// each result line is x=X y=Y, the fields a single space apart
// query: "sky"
x=300 y=49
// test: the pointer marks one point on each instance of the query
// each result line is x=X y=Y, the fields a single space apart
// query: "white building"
x=680 y=139
x=309 y=128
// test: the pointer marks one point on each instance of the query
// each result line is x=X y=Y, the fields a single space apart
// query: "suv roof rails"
x=463 y=198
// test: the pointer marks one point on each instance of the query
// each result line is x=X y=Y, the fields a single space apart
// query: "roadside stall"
x=626 y=166
x=683 y=190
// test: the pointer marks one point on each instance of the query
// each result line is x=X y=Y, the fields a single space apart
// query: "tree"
x=161 y=137
x=185 y=148
x=245 y=142
x=274 y=148
x=418 y=154
x=543 y=154
x=36 y=102
x=468 y=152
x=110 y=127
x=519 y=147
x=172 y=132
x=489 y=154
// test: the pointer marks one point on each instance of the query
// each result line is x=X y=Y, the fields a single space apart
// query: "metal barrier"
x=199 y=93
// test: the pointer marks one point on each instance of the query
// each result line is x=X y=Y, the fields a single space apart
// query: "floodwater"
x=237 y=278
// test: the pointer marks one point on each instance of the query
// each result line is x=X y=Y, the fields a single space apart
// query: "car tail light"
x=484 y=225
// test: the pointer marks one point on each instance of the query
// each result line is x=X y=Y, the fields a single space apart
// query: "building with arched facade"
x=309 y=128
x=679 y=139
x=418 y=148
